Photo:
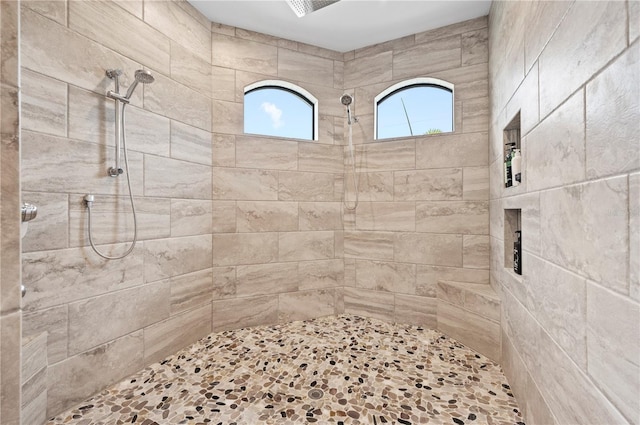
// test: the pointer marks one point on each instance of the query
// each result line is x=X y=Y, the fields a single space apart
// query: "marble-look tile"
x=320 y=158
x=558 y=302
x=634 y=24
x=244 y=248
x=10 y=118
x=190 y=143
x=555 y=149
x=525 y=102
x=223 y=150
x=43 y=104
x=10 y=368
x=63 y=276
x=191 y=217
x=91 y=371
x=349 y=272
x=91 y=119
x=266 y=153
x=427 y=57
x=391 y=45
x=303 y=67
x=368 y=70
x=53 y=50
x=165 y=338
x=581 y=49
x=112 y=220
x=475 y=183
x=95 y=321
x=224 y=83
x=389 y=216
x=416 y=310
x=52 y=322
x=224 y=282
x=467 y=217
x=428 y=248
x=33 y=387
x=320 y=216
x=266 y=279
x=50 y=230
x=223 y=29
x=320 y=274
x=34 y=355
x=165 y=258
x=571 y=213
x=257 y=36
x=56 y=11
x=475 y=115
x=302 y=186
x=315 y=50
x=173 y=178
x=428 y=276
x=179 y=25
x=587 y=400
x=223 y=217
x=302 y=246
x=191 y=290
x=542 y=20
x=10 y=223
x=256 y=185
x=244 y=312
x=478 y=298
x=372 y=245
x=190 y=70
x=195 y=14
x=305 y=305
x=529 y=204
x=9 y=50
x=245 y=55
x=451 y=30
x=44 y=156
x=471 y=82
x=613 y=349
x=179 y=102
x=475 y=251
x=111 y=26
x=135 y=7
x=35 y=410
x=634 y=236
x=386 y=276
x=612 y=105
x=428 y=185
x=475 y=47
x=266 y=216
x=452 y=150
x=386 y=156
x=373 y=186
x=378 y=305
x=517 y=375
x=475 y=331
x=538 y=411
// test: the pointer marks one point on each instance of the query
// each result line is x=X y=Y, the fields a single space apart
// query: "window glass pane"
x=274 y=111
x=414 y=111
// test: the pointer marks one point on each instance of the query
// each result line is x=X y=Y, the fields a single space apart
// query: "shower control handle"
x=29 y=212
x=23 y=290
x=115 y=172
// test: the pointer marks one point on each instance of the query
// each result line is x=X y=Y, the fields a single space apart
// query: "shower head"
x=114 y=73
x=346 y=99
x=304 y=7
x=141 y=76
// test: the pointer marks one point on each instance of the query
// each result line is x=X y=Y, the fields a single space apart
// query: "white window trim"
x=290 y=86
x=413 y=82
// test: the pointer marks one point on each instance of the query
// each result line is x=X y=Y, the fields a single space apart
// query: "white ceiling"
x=342 y=26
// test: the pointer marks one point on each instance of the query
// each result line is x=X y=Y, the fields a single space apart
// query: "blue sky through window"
x=427 y=107
x=273 y=111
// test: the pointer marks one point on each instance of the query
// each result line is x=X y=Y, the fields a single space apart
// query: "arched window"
x=281 y=109
x=414 y=108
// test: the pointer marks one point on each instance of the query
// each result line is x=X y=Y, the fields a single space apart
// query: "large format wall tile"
x=300 y=246
x=244 y=312
x=52 y=321
x=300 y=186
x=379 y=305
x=455 y=150
x=581 y=49
x=95 y=321
x=266 y=153
x=320 y=158
x=266 y=216
x=10 y=368
x=191 y=217
x=425 y=58
x=230 y=183
x=386 y=276
x=427 y=277
x=368 y=70
x=452 y=217
x=50 y=230
x=303 y=67
x=244 y=55
x=416 y=311
x=321 y=274
x=571 y=213
x=612 y=103
x=475 y=251
x=428 y=185
x=390 y=216
x=177 y=179
x=305 y=305
x=386 y=156
x=88 y=372
x=244 y=248
x=43 y=104
x=320 y=216
x=165 y=258
x=371 y=245
x=634 y=236
x=191 y=70
x=62 y=276
x=426 y=248
x=265 y=279
x=190 y=143
x=112 y=26
x=191 y=290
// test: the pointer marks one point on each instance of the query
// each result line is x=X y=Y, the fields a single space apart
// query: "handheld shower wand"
x=346 y=99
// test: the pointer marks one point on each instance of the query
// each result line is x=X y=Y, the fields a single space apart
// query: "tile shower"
x=239 y=230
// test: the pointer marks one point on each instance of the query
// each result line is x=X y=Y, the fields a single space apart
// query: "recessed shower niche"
x=513 y=240
x=512 y=156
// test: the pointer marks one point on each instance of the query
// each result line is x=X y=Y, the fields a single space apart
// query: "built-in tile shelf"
x=512 y=140
x=512 y=224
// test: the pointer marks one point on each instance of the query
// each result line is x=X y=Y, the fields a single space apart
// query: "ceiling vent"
x=304 y=7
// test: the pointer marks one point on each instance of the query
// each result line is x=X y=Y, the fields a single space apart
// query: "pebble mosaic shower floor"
x=367 y=371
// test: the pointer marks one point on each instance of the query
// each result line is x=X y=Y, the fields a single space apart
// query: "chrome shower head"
x=114 y=73
x=346 y=99
x=304 y=7
x=141 y=76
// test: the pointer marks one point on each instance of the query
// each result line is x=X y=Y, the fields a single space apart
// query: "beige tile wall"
x=571 y=323
x=424 y=212
x=10 y=313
